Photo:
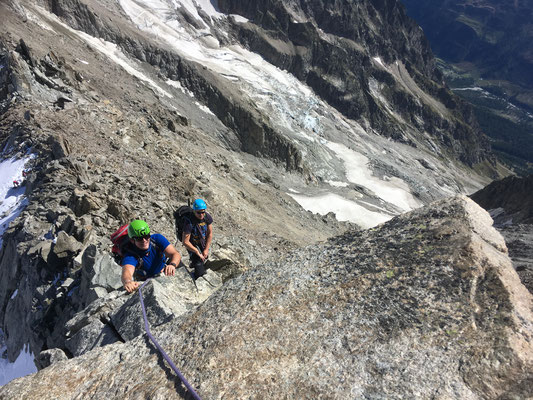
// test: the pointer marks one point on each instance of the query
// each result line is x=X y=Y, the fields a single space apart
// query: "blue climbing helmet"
x=199 y=204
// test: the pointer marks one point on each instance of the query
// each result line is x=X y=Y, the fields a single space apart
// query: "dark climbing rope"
x=163 y=353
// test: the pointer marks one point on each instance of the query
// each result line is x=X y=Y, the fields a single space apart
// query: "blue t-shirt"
x=152 y=263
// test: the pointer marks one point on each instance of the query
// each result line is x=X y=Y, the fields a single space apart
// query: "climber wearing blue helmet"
x=197 y=237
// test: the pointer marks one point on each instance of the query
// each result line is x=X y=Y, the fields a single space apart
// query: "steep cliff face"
x=485 y=48
x=426 y=303
x=350 y=54
x=513 y=194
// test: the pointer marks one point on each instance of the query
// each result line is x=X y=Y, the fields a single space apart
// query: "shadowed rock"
x=510 y=203
x=117 y=316
x=96 y=334
x=514 y=195
x=425 y=305
x=100 y=274
x=49 y=357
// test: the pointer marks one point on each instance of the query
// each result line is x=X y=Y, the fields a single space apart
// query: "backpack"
x=182 y=214
x=121 y=242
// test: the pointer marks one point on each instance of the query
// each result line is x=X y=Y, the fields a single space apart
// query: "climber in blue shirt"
x=146 y=255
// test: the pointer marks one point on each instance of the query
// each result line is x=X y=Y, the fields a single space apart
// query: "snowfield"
x=12 y=202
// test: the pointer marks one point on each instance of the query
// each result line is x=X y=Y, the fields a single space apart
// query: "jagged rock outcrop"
x=514 y=195
x=424 y=305
x=510 y=203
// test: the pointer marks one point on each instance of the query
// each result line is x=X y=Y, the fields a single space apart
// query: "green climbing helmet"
x=138 y=228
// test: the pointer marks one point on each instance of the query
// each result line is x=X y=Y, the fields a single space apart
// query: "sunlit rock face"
x=426 y=303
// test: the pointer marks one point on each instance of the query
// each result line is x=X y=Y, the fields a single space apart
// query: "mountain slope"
x=510 y=203
x=495 y=35
x=132 y=108
x=368 y=60
x=487 y=59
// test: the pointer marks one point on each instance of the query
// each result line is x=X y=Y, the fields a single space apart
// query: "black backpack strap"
x=158 y=250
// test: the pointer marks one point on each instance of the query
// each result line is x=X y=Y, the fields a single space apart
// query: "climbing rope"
x=163 y=353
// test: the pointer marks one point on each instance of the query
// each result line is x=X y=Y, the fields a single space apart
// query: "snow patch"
x=205 y=5
x=36 y=20
x=239 y=18
x=204 y=109
x=112 y=51
x=393 y=190
x=12 y=201
x=378 y=60
x=23 y=365
x=338 y=184
x=345 y=210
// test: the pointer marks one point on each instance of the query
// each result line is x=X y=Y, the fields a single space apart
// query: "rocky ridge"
x=80 y=191
x=111 y=146
x=427 y=304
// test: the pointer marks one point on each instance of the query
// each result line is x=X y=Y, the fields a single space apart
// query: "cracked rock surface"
x=427 y=303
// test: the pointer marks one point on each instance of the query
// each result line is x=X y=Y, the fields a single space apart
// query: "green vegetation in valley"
x=509 y=126
x=512 y=142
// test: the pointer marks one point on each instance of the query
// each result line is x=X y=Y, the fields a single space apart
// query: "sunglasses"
x=200 y=212
x=140 y=239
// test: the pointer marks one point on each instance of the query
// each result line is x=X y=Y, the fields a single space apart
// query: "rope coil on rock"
x=163 y=353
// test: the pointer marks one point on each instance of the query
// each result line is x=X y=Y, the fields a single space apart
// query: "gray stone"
x=67 y=283
x=65 y=223
x=100 y=275
x=95 y=293
x=49 y=357
x=66 y=245
x=42 y=249
x=427 y=303
x=60 y=147
x=95 y=334
x=165 y=298
x=82 y=203
x=100 y=309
